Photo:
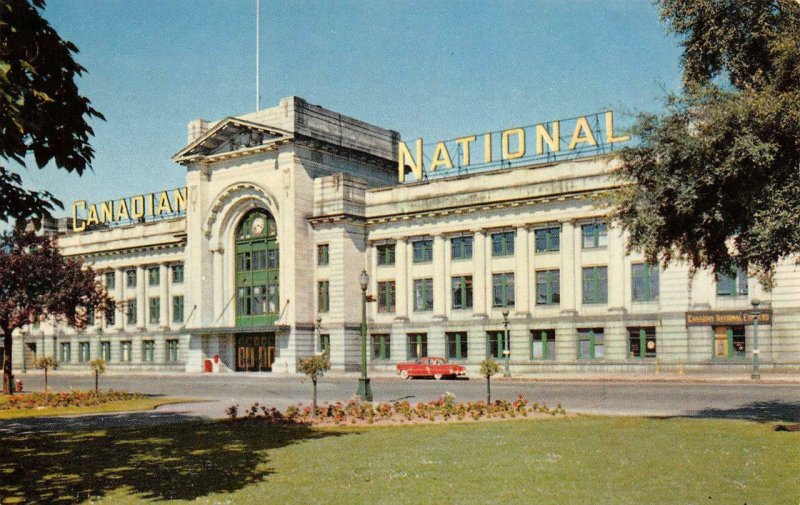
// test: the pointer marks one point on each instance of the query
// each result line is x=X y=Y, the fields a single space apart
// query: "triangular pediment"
x=232 y=137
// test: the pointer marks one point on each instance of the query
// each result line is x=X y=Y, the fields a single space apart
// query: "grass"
x=147 y=403
x=570 y=460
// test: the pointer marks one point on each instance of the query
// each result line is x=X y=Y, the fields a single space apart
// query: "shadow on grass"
x=768 y=411
x=184 y=460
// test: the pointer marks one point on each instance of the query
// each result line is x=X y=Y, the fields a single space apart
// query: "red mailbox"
x=208 y=366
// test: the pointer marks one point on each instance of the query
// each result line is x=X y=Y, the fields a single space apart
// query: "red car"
x=430 y=367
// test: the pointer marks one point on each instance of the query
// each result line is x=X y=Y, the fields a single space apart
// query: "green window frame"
x=325 y=342
x=172 y=350
x=131 y=311
x=111 y=280
x=65 y=354
x=385 y=254
x=595 y=235
x=126 y=351
x=733 y=339
x=548 y=287
x=461 y=248
x=153 y=276
x=461 y=289
x=423 y=295
x=645 y=282
x=90 y=316
x=386 y=296
x=423 y=251
x=148 y=351
x=155 y=310
x=642 y=342
x=381 y=346
x=84 y=352
x=177 y=309
x=595 y=285
x=257 y=270
x=323 y=296
x=548 y=239
x=503 y=243
x=503 y=290
x=543 y=344
x=732 y=283
x=457 y=347
x=177 y=273
x=591 y=343
x=323 y=254
x=495 y=344
x=105 y=350
x=416 y=345
x=130 y=278
x=111 y=313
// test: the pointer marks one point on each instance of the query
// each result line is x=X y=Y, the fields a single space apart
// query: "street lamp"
x=364 y=391
x=756 y=375
x=506 y=345
x=319 y=333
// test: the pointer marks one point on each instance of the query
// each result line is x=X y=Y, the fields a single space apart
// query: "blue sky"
x=431 y=69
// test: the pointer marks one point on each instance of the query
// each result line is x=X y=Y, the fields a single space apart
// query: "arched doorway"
x=257 y=290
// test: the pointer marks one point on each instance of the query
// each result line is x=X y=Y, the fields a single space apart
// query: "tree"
x=36 y=281
x=98 y=366
x=46 y=363
x=716 y=178
x=489 y=367
x=314 y=367
x=41 y=111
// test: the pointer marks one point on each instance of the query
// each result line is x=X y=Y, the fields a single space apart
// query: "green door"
x=257 y=263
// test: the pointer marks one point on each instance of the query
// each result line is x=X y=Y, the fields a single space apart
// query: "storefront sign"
x=726 y=318
x=140 y=207
x=546 y=140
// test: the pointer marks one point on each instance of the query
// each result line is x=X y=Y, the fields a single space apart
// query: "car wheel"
x=437 y=376
x=404 y=374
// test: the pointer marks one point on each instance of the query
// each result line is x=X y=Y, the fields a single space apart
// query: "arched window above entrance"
x=257 y=264
x=257 y=224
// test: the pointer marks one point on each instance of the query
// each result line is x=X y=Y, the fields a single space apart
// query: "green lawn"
x=148 y=403
x=567 y=460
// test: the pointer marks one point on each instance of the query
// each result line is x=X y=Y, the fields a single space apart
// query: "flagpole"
x=258 y=54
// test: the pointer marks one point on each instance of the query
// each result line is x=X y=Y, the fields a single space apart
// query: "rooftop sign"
x=580 y=136
x=149 y=207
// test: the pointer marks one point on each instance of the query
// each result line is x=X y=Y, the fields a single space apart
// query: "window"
x=105 y=350
x=381 y=346
x=323 y=255
x=177 y=273
x=462 y=292
x=548 y=287
x=244 y=261
x=126 y=351
x=595 y=235
x=423 y=294
x=323 y=296
x=111 y=313
x=595 y=285
x=172 y=350
x=131 y=311
x=153 y=276
x=111 y=280
x=66 y=352
x=386 y=296
x=417 y=345
x=591 y=343
x=177 y=309
x=385 y=254
x=84 y=352
x=155 y=310
x=729 y=342
x=733 y=283
x=461 y=248
x=325 y=343
x=495 y=344
x=456 y=344
x=130 y=278
x=148 y=350
x=90 y=316
x=548 y=239
x=503 y=244
x=503 y=290
x=645 y=282
x=543 y=344
x=423 y=251
x=642 y=342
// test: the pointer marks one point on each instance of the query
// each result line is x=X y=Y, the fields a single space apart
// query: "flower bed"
x=357 y=412
x=71 y=399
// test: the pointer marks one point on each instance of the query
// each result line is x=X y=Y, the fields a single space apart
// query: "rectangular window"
x=423 y=295
x=323 y=296
x=66 y=352
x=645 y=282
x=111 y=313
x=111 y=280
x=495 y=344
x=595 y=235
x=591 y=343
x=84 y=352
x=503 y=290
x=272 y=259
x=548 y=287
x=543 y=344
x=462 y=292
x=548 y=239
x=177 y=309
x=595 y=285
x=733 y=283
x=126 y=351
x=642 y=342
x=322 y=254
x=177 y=273
x=130 y=278
x=503 y=243
x=729 y=342
x=417 y=345
x=172 y=351
x=381 y=346
x=90 y=316
x=153 y=276
x=456 y=344
x=105 y=350
x=386 y=296
x=148 y=350
x=155 y=310
x=423 y=251
x=461 y=248
x=131 y=311
x=385 y=254
x=325 y=343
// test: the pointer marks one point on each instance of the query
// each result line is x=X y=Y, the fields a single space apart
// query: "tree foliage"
x=42 y=114
x=489 y=367
x=37 y=282
x=717 y=176
x=314 y=367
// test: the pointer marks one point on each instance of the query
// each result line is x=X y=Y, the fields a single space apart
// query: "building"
x=256 y=263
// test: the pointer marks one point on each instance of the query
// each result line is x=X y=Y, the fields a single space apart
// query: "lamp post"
x=756 y=375
x=319 y=333
x=364 y=390
x=506 y=345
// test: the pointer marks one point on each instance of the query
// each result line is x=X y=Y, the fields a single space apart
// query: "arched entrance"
x=257 y=290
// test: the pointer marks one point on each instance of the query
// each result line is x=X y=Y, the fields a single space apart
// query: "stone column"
x=439 y=284
x=372 y=270
x=119 y=298
x=163 y=296
x=141 y=300
x=219 y=296
x=401 y=278
x=521 y=273
x=616 y=269
x=569 y=268
x=479 y=273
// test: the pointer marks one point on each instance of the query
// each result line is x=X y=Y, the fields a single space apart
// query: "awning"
x=239 y=330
